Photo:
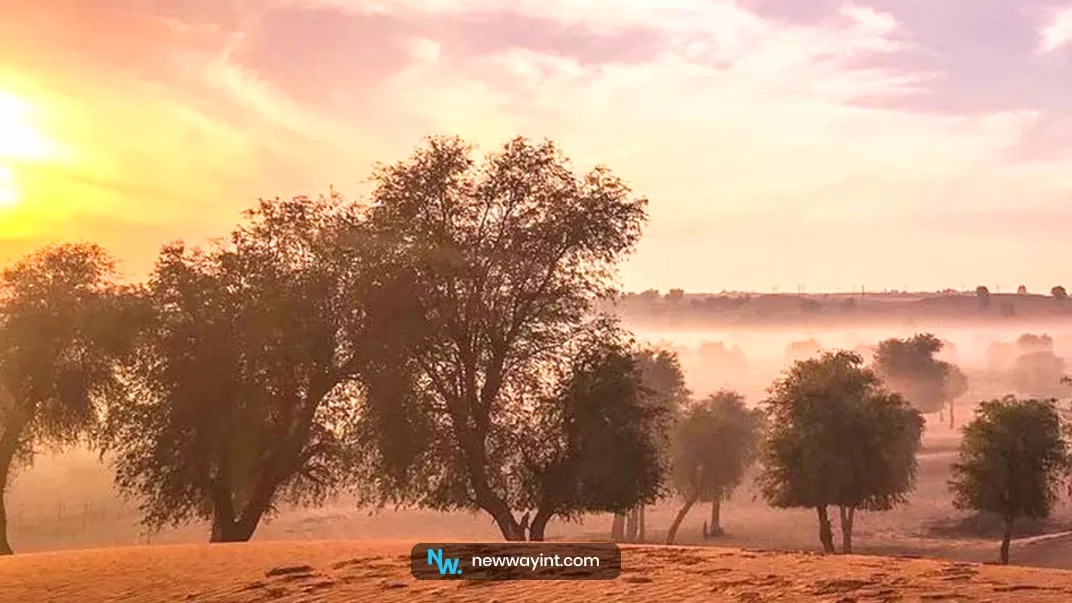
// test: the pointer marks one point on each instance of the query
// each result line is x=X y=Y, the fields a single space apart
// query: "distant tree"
x=597 y=441
x=714 y=443
x=245 y=378
x=1038 y=373
x=507 y=258
x=983 y=295
x=1012 y=462
x=1021 y=290
x=649 y=295
x=911 y=368
x=836 y=437
x=1029 y=342
x=664 y=381
x=675 y=295
x=63 y=324
x=1059 y=293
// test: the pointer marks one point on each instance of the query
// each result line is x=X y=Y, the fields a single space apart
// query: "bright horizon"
x=889 y=144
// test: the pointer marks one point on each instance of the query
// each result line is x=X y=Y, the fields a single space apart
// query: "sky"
x=786 y=144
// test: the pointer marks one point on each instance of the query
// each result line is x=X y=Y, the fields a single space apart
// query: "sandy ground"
x=329 y=572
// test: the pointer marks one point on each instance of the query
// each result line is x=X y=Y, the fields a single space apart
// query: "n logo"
x=445 y=565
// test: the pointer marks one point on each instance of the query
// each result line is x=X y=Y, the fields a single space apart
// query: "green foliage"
x=1013 y=459
x=910 y=368
x=507 y=260
x=63 y=325
x=245 y=375
x=595 y=443
x=714 y=443
x=835 y=437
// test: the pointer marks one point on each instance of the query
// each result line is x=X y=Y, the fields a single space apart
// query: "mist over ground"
x=67 y=500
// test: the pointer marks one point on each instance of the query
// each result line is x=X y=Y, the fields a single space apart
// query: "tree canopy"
x=836 y=437
x=1012 y=462
x=596 y=443
x=911 y=368
x=507 y=259
x=714 y=442
x=244 y=376
x=63 y=325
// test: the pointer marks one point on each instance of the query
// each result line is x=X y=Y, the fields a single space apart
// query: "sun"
x=22 y=142
x=20 y=138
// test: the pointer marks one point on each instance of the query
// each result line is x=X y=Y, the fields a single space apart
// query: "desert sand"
x=377 y=571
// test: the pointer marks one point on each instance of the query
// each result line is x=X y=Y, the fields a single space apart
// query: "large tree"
x=1013 y=461
x=62 y=327
x=246 y=374
x=836 y=437
x=714 y=443
x=507 y=259
x=911 y=368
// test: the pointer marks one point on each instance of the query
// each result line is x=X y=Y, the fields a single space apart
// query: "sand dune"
x=331 y=572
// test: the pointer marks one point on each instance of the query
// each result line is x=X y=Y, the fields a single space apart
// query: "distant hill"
x=695 y=310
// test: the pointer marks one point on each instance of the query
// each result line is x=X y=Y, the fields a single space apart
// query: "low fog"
x=67 y=499
x=997 y=360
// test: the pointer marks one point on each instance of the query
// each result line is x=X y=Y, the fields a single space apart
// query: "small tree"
x=597 y=440
x=61 y=329
x=1059 y=293
x=714 y=443
x=982 y=294
x=675 y=295
x=1021 y=290
x=911 y=368
x=835 y=437
x=1013 y=461
x=665 y=381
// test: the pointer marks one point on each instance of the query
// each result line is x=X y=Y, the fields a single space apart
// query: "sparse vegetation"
x=1013 y=461
x=835 y=437
x=911 y=368
x=714 y=443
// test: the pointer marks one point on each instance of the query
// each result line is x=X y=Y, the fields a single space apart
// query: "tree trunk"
x=826 y=535
x=1006 y=538
x=846 y=515
x=617 y=529
x=642 y=532
x=511 y=530
x=9 y=443
x=672 y=534
x=951 y=421
x=632 y=525
x=716 y=517
x=539 y=525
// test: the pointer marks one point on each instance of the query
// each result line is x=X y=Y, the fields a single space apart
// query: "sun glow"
x=22 y=141
x=20 y=138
